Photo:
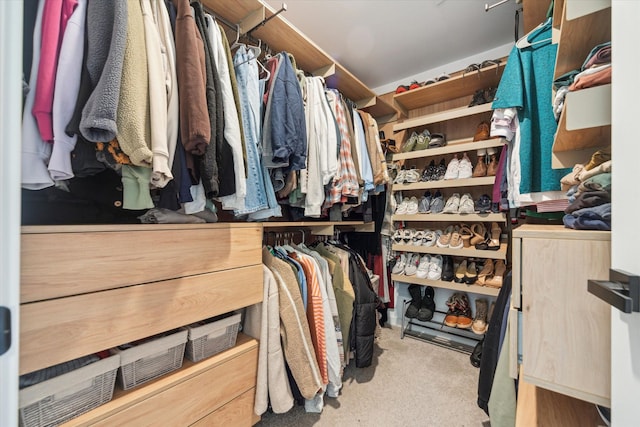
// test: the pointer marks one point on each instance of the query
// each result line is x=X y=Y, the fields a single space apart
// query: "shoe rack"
x=442 y=107
x=585 y=121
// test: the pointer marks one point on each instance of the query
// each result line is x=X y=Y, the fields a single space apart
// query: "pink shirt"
x=56 y=13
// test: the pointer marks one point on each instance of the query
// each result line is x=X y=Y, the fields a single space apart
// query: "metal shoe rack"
x=436 y=332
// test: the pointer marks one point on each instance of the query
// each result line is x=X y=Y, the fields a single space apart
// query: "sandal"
x=494 y=242
x=478 y=231
x=456 y=240
x=487 y=271
x=466 y=234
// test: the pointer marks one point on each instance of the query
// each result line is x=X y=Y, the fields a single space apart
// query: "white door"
x=10 y=128
x=625 y=328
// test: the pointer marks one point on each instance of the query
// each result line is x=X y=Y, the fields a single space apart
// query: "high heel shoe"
x=466 y=234
x=495 y=281
x=460 y=272
x=471 y=275
x=487 y=270
x=494 y=242
x=478 y=231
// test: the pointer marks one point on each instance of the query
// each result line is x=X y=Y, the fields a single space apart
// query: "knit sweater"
x=106 y=44
x=133 y=119
x=294 y=328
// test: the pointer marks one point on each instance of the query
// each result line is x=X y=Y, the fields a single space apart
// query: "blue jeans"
x=260 y=201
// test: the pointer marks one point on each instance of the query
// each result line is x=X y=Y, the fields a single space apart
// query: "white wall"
x=625 y=328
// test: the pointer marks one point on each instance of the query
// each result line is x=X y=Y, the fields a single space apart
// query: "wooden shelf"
x=126 y=399
x=456 y=146
x=584 y=126
x=454 y=87
x=578 y=36
x=464 y=252
x=449 y=183
x=462 y=287
x=443 y=116
x=382 y=111
x=322 y=228
x=281 y=35
x=488 y=217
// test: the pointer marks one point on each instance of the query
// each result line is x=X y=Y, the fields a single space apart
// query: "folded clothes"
x=599 y=78
x=602 y=211
x=166 y=216
x=601 y=168
x=586 y=223
x=596 y=183
x=589 y=199
x=600 y=54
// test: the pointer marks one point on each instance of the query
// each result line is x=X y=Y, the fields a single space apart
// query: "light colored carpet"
x=410 y=383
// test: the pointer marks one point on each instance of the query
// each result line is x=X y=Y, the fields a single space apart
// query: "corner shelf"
x=454 y=87
x=488 y=217
x=455 y=146
x=443 y=116
x=461 y=287
x=464 y=252
x=449 y=183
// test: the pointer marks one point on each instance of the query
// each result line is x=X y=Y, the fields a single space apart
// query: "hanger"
x=524 y=40
x=237 y=43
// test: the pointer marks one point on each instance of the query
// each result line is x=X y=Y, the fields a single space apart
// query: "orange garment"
x=315 y=313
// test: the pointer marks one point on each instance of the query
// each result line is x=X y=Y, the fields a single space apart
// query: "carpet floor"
x=410 y=383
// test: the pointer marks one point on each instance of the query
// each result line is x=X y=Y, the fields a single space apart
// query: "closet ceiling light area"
x=386 y=41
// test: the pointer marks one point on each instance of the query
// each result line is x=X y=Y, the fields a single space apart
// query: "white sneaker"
x=452 y=205
x=435 y=268
x=423 y=268
x=412 y=265
x=453 y=168
x=465 y=168
x=411 y=175
x=400 y=264
x=400 y=177
x=466 y=204
x=412 y=206
x=402 y=207
x=429 y=238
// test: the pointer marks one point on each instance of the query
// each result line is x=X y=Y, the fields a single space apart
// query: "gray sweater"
x=106 y=40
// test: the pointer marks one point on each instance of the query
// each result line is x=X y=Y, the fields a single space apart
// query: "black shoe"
x=476 y=354
x=416 y=301
x=428 y=306
x=478 y=98
x=447 y=268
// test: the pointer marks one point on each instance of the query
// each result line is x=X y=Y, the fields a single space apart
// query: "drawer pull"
x=622 y=291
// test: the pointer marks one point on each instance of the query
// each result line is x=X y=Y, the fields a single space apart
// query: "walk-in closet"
x=349 y=212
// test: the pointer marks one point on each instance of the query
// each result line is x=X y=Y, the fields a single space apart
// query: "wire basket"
x=55 y=401
x=212 y=338
x=151 y=359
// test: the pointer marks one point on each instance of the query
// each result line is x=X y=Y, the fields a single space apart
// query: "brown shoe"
x=481 y=167
x=487 y=271
x=465 y=320
x=492 y=169
x=479 y=325
x=482 y=132
x=451 y=318
x=495 y=281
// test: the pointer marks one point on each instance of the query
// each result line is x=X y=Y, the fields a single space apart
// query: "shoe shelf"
x=476 y=217
x=461 y=287
x=456 y=146
x=437 y=338
x=449 y=183
x=585 y=125
x=443 y=116
x=454 y=87
x=464 y=252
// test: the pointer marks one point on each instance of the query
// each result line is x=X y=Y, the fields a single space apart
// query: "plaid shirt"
x=345 y=183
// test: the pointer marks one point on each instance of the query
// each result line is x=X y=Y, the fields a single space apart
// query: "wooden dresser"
x=88 y=288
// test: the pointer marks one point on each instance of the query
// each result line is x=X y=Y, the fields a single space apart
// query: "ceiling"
x=389 y=42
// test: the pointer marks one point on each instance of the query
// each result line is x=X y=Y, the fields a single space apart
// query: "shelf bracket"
x=326 y=71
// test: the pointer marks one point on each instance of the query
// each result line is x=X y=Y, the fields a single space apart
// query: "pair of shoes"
x=423 y=141
x=452 y=205
x=441 y=77
x=401 y=209
x=480 y=323
x=482 y=96
x=421 y=307
x=490 y=240
x=495 y=280
x=405 y=176
x=477 y=67
x=424 y=203
x=404 y=88
x=450 y=238
x=483 y=132
x=410 y=143
x=437 y=203
x=482 y=167
x=437 y=140
x=466 y=204
x=459 y=313
x=483 y=204
x=459 y=169
x=466 y=272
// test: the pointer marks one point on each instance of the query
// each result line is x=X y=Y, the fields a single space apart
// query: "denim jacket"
x=284 y=133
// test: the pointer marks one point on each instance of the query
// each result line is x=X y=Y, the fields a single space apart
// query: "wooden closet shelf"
x=280 y=35
x=442 y=116
x=464 y=252
x=454 y=87
x=449 y=183
x=488 y=217
x=460 y=287
x=455 y=146
x=322 y=228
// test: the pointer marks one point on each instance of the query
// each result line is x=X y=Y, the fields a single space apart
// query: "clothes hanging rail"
x=283 y=8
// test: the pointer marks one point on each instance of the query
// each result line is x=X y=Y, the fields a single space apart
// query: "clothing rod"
x=283 y=8
x=487 y=7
